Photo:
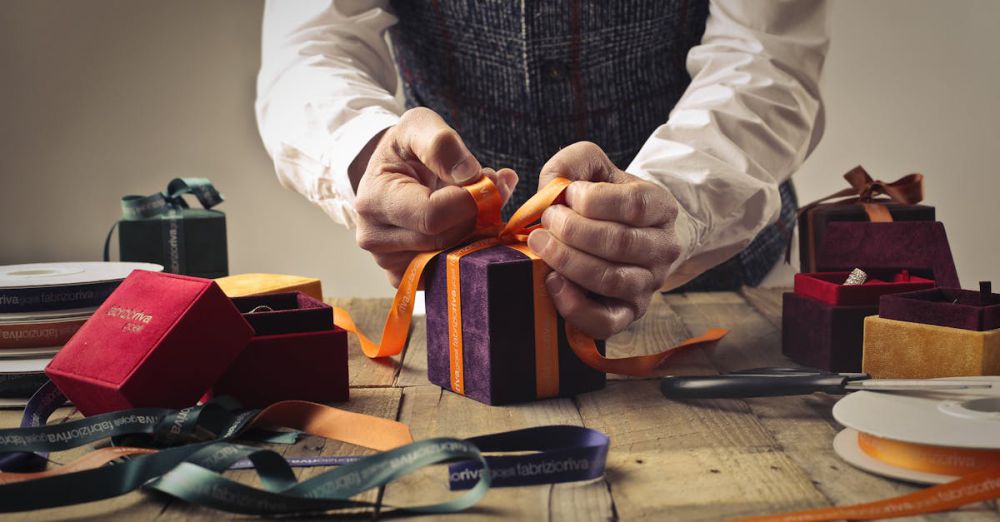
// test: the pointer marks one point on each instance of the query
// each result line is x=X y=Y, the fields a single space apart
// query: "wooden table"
x=699 y=460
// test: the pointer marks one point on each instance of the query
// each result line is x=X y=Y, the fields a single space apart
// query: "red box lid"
x=160 y=340
x=918 y=246
x=829 y=286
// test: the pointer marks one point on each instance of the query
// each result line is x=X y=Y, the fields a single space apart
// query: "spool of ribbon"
x=491 y=231
x=868 y=192
x=979 y=472
x=168 y=204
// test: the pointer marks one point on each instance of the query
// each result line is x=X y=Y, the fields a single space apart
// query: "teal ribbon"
x=168 y=203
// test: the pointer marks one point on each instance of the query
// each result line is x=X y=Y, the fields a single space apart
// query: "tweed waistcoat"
x=519 y=80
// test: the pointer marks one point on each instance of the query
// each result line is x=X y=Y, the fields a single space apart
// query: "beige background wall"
x=101 y=98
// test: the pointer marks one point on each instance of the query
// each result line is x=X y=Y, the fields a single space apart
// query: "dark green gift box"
x=162 y=229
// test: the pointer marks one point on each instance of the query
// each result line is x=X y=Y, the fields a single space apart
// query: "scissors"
x=774 y=382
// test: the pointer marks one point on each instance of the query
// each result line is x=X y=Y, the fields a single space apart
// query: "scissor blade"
x=915 y=384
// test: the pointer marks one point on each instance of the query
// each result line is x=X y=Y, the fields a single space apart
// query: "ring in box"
x=296 y=353
x=823 y=319
x=942 y=332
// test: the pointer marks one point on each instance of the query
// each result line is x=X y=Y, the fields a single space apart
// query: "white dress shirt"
x=749 y=118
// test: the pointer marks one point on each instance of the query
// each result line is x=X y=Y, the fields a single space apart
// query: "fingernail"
x=537 y=240
x=512 y=180
x=465 y=170
x=554 y=282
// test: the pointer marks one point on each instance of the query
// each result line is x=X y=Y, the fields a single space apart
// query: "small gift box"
x=943 y=332
x=159 y=340
x=823 y=319
x=489 y=333
x=240 y=285
x=162 y=229
x=862 y=203
x=296 y=353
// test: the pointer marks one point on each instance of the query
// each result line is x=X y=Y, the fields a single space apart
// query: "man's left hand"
x=614 y=238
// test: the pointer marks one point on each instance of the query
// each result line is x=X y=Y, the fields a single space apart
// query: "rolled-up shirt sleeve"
x=325 y=88
x=749 y=118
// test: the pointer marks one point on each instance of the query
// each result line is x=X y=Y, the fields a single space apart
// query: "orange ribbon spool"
x=979 y=472
x=492 y=231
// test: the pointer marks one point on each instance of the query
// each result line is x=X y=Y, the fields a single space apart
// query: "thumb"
x=438 y=147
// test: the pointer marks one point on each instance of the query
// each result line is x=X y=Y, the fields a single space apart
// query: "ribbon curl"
x=490 y=231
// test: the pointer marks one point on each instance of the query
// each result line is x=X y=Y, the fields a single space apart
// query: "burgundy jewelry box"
x=296 y=353
x=497 y=330
x=823 y=320
x=159 y=340
x=814 y=223
x=951 y=307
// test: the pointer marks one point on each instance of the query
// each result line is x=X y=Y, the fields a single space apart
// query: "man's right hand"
x=410 y=199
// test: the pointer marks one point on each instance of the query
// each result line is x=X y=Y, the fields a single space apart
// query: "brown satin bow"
x=907 y=190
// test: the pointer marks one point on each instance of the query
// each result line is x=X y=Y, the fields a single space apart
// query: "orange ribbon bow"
x=492 y=231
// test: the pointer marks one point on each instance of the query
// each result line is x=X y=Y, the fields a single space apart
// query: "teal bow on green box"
x=162 y=228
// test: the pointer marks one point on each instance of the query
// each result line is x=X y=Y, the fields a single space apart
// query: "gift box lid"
x=918 y=246
x=285 y=313
x=159 y=340
x=829 y=287
x=257 y=284
x=952 y=307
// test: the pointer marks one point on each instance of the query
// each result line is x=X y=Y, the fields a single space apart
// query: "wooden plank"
x=369 y=314
x=414 y=368
x=802 y=426
x=432 y=412
x=658 y=330
x=380 y=402
x=767 y=302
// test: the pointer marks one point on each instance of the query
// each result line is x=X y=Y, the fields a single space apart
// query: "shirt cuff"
x=349 y=139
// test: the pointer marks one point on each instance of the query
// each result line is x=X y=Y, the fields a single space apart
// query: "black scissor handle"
x=745 y=385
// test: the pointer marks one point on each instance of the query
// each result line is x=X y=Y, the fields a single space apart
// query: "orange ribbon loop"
x=491 y=231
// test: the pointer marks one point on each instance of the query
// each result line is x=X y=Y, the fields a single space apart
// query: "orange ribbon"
x=979 y=472
x=907 y=190
x=492 y=231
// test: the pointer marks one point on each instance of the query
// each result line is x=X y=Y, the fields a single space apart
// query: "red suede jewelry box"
x=159 y=340
x=296 y=354
x=823 y=320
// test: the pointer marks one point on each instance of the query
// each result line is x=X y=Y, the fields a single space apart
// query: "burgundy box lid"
x=952 y=307
x=286 y=312
x=918 y=246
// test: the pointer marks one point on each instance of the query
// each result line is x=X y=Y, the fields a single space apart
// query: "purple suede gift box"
x=965 y=309
x=498 y=335
x=831 y=336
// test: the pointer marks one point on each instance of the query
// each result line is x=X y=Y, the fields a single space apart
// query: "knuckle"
x=414 y=114
x=365 y=205
x=604 y=328
x=613 y=280
x=625 y=240
x=638 y=205
x=366 y=240
x=671 y=251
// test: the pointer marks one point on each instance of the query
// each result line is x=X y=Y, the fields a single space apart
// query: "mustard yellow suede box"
x=906 y=350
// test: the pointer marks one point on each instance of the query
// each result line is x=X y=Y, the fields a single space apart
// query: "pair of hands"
x=610 y=246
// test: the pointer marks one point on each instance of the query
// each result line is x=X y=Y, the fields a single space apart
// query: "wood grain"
x=432 y=412
x=369 y=315
x=803 y=426
x=767 y=302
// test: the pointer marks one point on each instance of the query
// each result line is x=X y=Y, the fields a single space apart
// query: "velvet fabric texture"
x=829 y=287
x=905 y=350
x=296 y=354
x=200 y=239
x=258 y=284
x=965 y=309
x=814 y=222
x=498 y=333
x=821 y=335
x=159 y=340
x=919 y=246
